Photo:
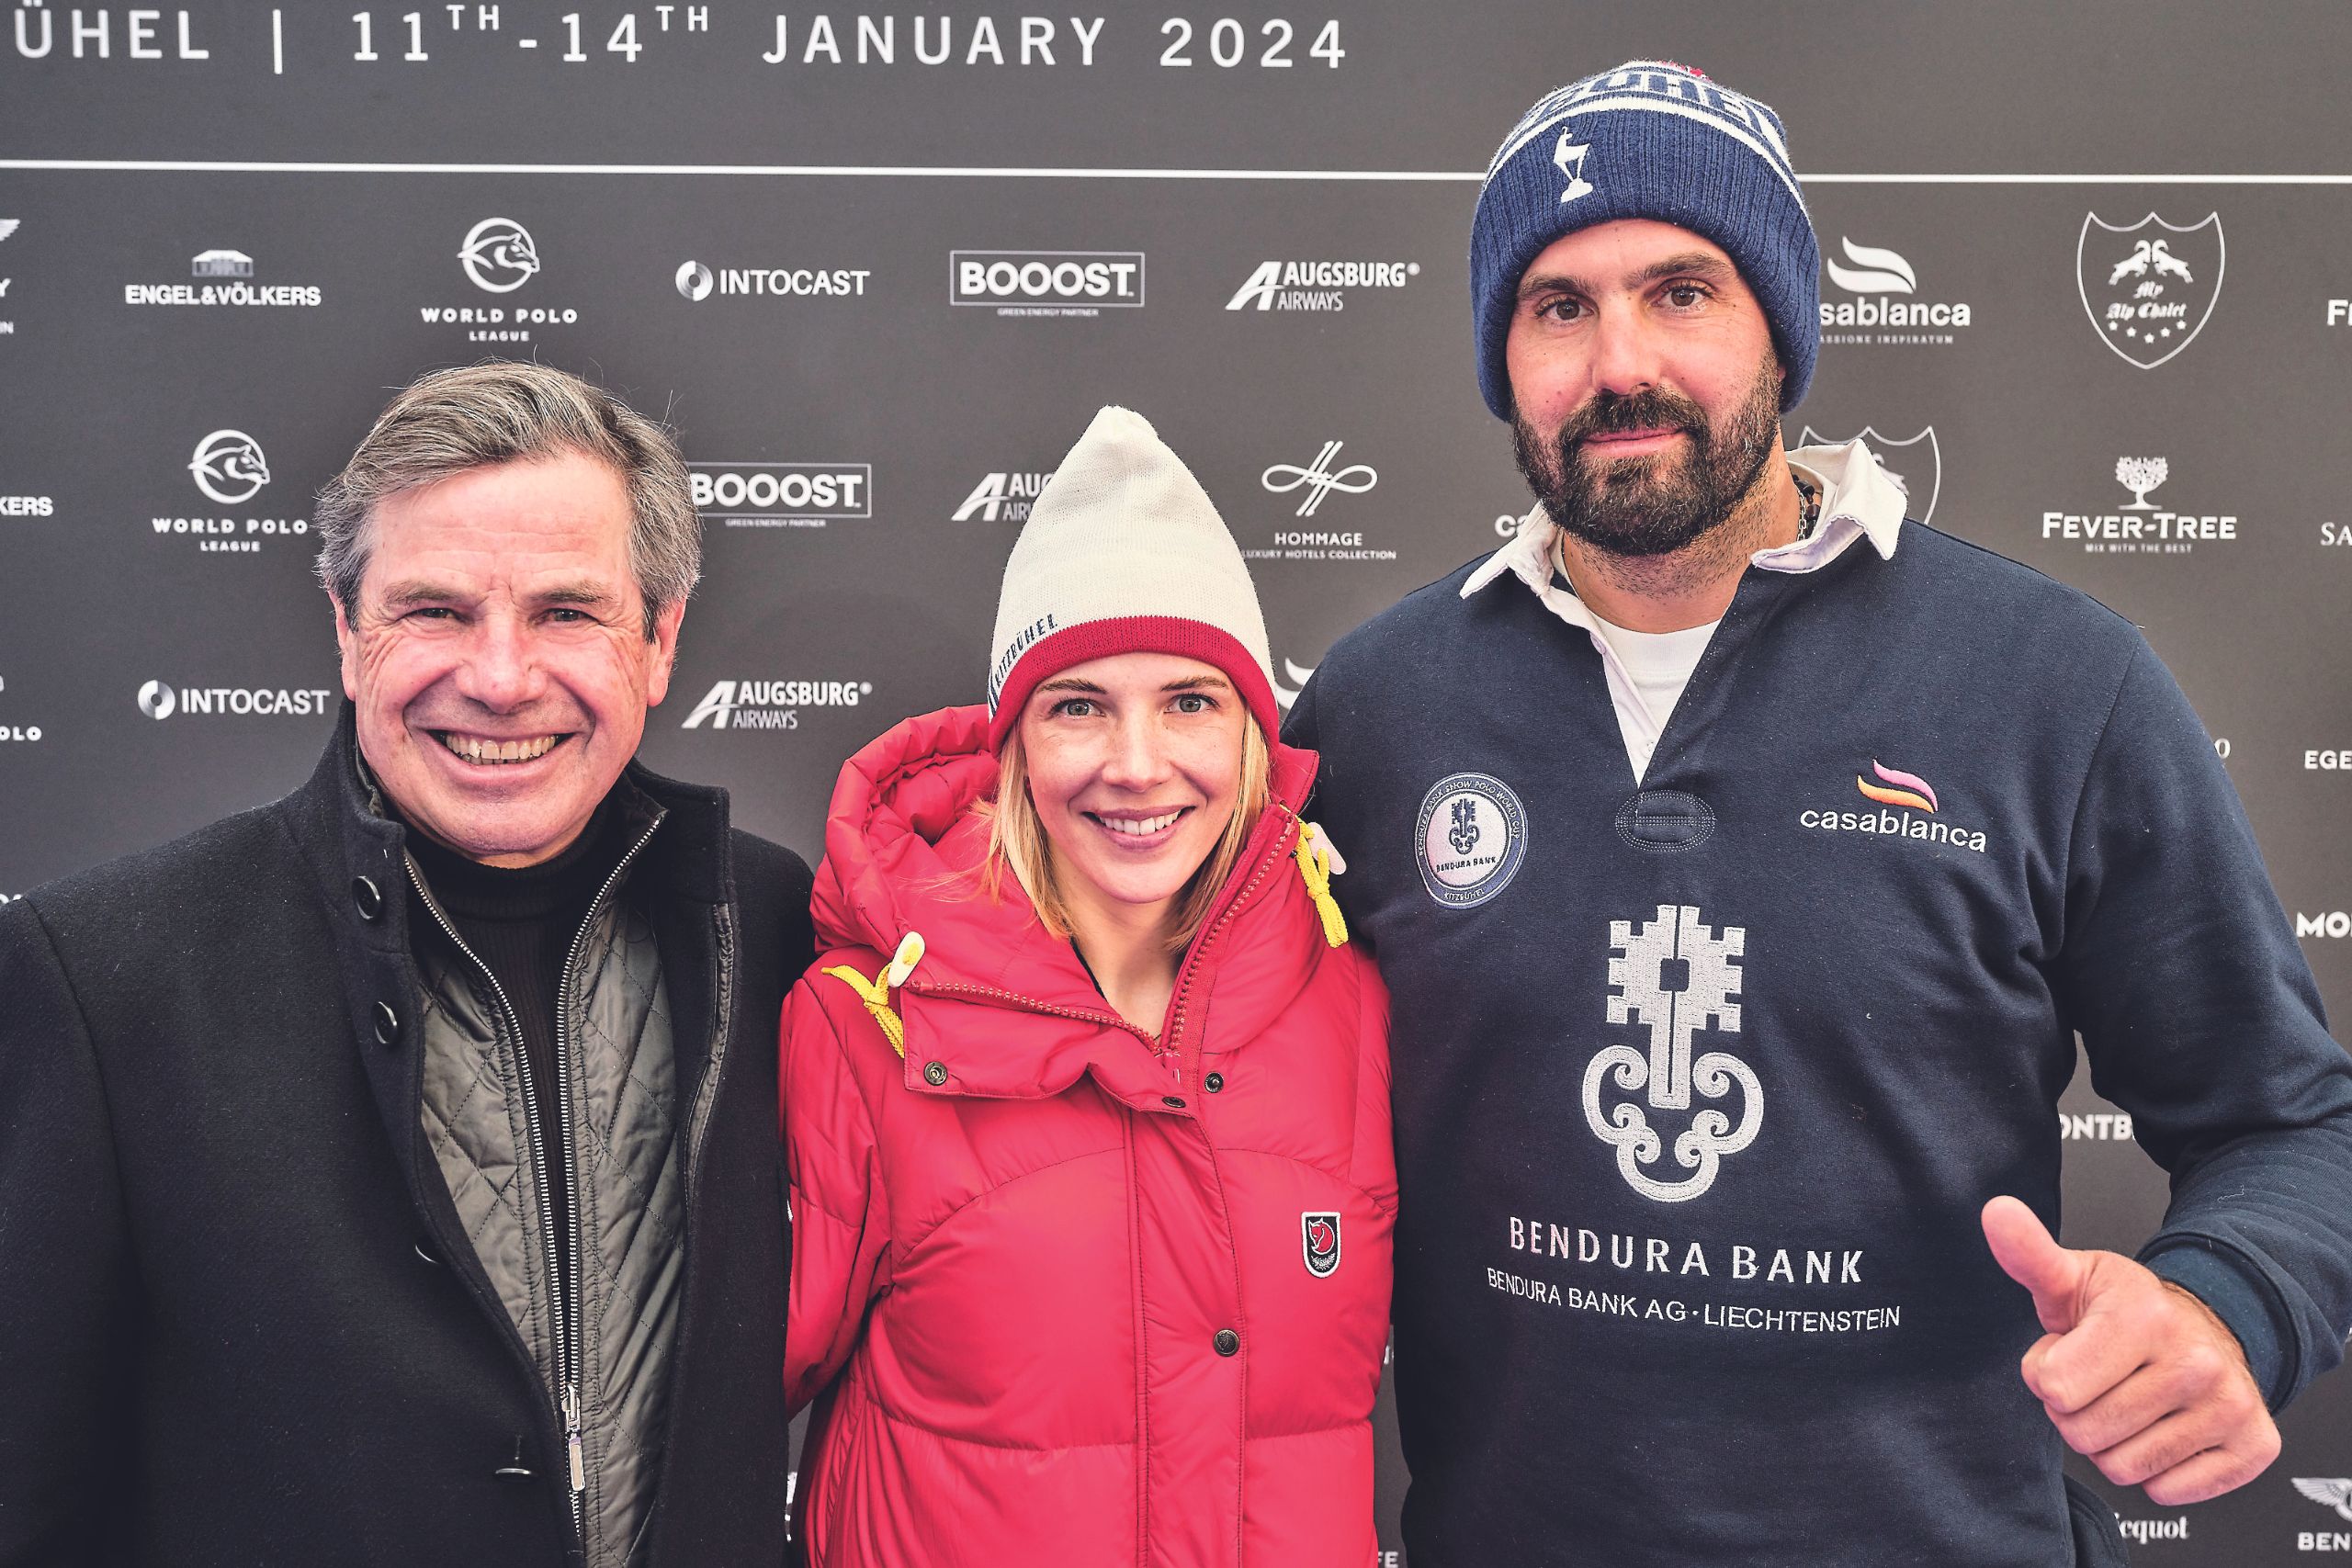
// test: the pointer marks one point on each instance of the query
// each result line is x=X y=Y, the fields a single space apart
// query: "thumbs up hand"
x=2137 y=1374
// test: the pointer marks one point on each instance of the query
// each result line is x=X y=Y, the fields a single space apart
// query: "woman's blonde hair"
x=1018 y=844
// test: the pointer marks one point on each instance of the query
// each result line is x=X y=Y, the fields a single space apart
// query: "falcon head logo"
x=2328 y=1492
x=498 y=255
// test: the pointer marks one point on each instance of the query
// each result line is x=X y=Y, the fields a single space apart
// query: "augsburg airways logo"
x=1316 y=284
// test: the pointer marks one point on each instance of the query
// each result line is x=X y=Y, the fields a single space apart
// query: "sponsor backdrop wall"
x=2087 y=289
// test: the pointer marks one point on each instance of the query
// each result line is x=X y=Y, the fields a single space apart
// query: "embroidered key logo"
x=1673 y=979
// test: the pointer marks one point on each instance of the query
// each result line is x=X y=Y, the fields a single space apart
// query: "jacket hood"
x=905 y=851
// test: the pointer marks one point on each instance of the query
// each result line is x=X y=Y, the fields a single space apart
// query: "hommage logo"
x=1299 y=675
x=1673 y=977
x=1925 y=464
x=2149 y=289
x=1318 y=478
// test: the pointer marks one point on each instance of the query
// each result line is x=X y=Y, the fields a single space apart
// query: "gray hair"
x=448 y=422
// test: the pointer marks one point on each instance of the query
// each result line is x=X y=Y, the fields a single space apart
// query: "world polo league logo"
x=498 y=255
x=1318 y=1240
x=1673 y=979
x=2149 y=289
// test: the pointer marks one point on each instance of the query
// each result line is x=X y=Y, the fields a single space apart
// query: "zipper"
x=538 y=1151
x=569 y=1350
x=1183 y=979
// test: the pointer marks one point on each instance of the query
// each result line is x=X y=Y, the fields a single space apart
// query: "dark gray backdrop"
x=1973 y=143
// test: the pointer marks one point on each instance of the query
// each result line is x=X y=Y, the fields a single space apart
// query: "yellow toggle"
x=875 y=993
x=1316 y=867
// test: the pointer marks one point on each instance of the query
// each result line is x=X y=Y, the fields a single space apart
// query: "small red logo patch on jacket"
x=1319 y=1242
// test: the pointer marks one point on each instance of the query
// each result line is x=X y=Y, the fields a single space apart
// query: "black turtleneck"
x=521 y=922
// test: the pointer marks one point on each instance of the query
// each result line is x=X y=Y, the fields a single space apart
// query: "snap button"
x=514 y=1469
x=935 y=1073
x=368 y=898
x=1227 y=1342
x=387 y=1024
x=1215 y=1083
x=1173 y=1102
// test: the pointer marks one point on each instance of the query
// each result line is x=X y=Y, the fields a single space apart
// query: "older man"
x=1741 y=877
x=389 y=1175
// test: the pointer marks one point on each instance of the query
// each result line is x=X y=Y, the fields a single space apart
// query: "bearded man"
x=1743 y=870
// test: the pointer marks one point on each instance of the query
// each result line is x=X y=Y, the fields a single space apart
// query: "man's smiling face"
x=497 y=657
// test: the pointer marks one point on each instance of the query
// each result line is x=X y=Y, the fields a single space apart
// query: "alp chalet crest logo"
x=2149 y=289
x=1318 y=1241
x=1916 y=463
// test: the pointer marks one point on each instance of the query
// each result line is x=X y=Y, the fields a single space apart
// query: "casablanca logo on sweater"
x=1674 y=980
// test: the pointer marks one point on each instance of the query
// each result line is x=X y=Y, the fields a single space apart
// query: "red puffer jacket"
x=1091 y=1298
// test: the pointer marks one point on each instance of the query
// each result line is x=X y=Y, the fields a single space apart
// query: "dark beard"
x=1657 y=504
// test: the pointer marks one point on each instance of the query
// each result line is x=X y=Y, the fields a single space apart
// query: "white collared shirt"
x=1647 y=671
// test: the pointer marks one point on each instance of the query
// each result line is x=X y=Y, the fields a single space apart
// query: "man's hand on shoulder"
x=2136 y=1373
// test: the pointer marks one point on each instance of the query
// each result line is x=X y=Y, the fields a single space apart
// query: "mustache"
x=1614 y=413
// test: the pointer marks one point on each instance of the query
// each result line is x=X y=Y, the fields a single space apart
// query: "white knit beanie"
x=1124 y=553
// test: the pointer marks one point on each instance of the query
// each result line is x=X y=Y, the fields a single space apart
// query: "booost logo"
x=224 y=279
x=2141 y=526
x=161 y=700
x=1916 y=463
x=2149 y=288
x=697 y=282
x=1907 y=808
x=1046 y=283
x=771 y=705
x=782 y=495
x=1884 y=312
x=229 y=468
x=499 y=256
x=1316 y=285
x=1005 y=496
x=1313 y=484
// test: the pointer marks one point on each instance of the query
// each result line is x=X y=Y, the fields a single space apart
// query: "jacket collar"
x=1008 y=1009
x=1860 y=499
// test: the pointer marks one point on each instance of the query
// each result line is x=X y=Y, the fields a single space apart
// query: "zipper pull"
x=571 y=1436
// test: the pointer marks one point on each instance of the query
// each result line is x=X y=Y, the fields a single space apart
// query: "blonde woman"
x=1086 y=1107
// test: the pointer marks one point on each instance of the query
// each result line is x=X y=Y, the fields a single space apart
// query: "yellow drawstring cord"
x=1316 y=867
x=875 y=993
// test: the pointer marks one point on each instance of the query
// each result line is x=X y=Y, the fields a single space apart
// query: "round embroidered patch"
x=1470 y=839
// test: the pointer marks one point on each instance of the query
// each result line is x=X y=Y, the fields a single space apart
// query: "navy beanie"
x=1648 y=140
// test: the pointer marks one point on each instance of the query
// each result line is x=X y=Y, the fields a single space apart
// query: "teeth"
x=491 y=752
x=1139 y=828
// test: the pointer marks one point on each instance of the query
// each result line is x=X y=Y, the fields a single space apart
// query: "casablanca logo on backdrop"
x=1300 y=674
x=1924 y=466
x=229 y=466
x=1470 y=839
x=1877 y=275
x=1004 y=496
x=2141 y=526
x=1318 y=480
x=1673 y=979
x=2149 y=289
x=1318 y=1242
x=499 y=256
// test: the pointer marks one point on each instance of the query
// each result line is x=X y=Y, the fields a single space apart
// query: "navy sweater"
x=1700 y=1083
